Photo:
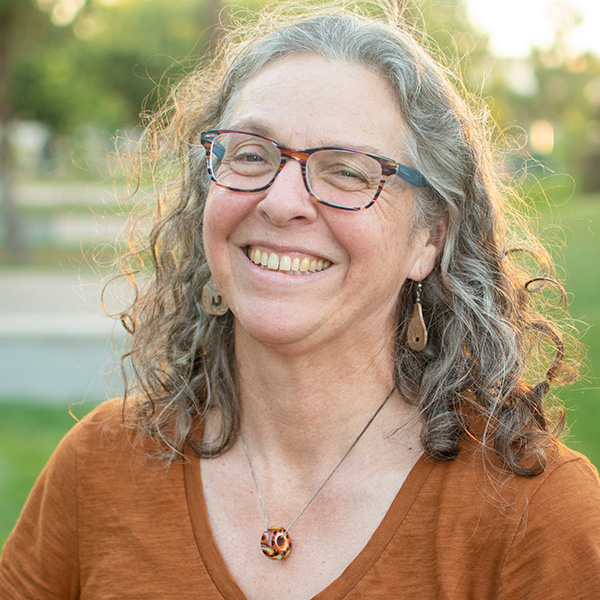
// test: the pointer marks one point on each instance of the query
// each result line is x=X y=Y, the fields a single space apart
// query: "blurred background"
x=75 y=76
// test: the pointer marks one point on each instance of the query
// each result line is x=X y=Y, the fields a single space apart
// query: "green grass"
x=580 y=222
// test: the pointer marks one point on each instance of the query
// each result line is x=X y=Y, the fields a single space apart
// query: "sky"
x=517 y=25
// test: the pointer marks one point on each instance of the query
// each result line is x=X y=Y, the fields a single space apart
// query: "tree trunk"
x=9 y=220
x=11 y=225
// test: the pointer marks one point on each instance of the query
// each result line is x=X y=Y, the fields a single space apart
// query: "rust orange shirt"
x=103 y=523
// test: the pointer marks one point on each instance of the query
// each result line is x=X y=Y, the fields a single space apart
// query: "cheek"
x=226 y=214
x=208 y=226
x=222 y=213
x=217 y=223
x=372 y=238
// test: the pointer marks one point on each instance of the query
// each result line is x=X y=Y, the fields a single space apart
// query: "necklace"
x=275 y=542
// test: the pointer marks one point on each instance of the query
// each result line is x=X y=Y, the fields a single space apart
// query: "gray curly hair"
x=480 y=373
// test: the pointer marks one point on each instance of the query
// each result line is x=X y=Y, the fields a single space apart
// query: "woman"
x=348 y=415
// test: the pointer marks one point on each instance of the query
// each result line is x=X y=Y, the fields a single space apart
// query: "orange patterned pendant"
x=275 y=543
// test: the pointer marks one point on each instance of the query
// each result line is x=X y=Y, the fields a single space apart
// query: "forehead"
x=306 y=100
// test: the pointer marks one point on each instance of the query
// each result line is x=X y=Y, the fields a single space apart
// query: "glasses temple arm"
x=412 y=176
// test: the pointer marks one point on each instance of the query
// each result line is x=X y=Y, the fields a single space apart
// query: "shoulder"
x=529 y=537
x=563 y=499
x=565 y=472
x=563 y=502
x=104 y=424
x=569 y=473
x=100 y=465
x=557 y=543
x=102 y=441
x=568 y=484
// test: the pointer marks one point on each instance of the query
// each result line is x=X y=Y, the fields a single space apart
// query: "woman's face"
x=302 y=102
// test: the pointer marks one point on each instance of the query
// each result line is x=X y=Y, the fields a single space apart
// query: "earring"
x=212 y=301
x=417 y=331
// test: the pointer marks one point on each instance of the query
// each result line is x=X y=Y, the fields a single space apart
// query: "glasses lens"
x=243 y=161
x=343 y=177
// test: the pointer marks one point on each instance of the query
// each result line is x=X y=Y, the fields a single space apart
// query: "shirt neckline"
x=355 y=571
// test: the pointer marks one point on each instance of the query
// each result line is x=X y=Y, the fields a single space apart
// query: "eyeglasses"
x=338 y=177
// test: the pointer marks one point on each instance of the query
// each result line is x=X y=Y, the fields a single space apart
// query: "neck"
x=316 y=403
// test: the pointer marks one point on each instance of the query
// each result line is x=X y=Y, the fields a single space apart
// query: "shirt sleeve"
x=555 y=553
x=40 y=558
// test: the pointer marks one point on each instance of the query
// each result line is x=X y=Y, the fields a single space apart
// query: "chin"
x=271 y=326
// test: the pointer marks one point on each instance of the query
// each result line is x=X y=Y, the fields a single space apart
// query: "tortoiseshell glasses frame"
x=345 y=178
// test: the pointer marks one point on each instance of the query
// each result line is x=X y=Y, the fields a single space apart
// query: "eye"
x=248 y=153
x=251 y=153
x=345 y=170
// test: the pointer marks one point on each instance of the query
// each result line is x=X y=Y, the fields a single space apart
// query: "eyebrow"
x=253 y=126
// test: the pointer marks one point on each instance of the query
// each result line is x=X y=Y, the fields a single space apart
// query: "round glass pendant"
x=275 y=543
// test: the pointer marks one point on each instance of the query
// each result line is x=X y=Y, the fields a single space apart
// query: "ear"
x=429 y=245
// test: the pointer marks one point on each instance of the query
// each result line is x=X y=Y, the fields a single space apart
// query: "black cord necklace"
x=275 y=542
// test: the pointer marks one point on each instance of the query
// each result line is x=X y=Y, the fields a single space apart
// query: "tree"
x=91 y=61
x=16 y=18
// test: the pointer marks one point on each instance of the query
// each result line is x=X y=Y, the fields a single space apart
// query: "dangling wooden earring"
x=212 y=301
x=417 y=331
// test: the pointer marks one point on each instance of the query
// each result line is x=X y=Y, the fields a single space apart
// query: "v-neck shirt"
x=105 y=521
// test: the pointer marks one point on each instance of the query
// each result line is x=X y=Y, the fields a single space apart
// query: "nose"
x=287 y=199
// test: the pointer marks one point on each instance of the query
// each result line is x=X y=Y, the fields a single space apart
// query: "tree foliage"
x=106 y=60
x=105 y=64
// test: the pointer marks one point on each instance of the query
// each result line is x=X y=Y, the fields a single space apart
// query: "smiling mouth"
x=285 y=263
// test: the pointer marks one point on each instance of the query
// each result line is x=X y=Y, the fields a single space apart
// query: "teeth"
x=304 y=265
x=285 y=263
x=296 y=265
